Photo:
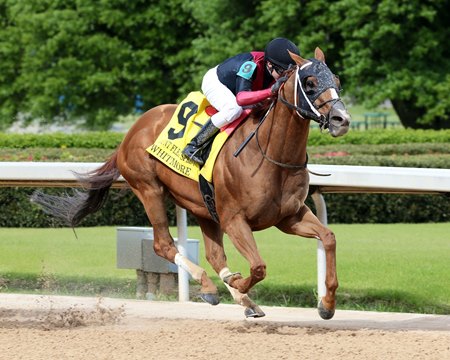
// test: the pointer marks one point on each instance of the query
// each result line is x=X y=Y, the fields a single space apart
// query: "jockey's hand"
x=276 y=87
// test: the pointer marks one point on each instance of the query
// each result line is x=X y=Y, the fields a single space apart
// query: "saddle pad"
x=185 y=123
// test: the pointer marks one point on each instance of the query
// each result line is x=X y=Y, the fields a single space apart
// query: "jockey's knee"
x=226 y=116
x=233 y=113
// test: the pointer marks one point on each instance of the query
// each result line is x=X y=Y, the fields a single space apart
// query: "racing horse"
x=264 y=186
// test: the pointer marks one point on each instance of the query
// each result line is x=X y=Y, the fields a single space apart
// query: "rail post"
x=183 y=276
x=321 y=209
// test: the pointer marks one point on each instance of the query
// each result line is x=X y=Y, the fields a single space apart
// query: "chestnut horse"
x=266 y=185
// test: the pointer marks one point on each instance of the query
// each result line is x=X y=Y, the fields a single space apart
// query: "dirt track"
x=42 y=327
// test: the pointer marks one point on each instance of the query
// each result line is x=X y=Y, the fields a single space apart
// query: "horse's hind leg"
x=306 y=224
x=152 y=197
x=215 y=254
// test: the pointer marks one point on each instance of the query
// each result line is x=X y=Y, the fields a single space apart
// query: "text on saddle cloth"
x=190 y=115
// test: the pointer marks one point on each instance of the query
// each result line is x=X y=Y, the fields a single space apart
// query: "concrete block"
x=135 y=251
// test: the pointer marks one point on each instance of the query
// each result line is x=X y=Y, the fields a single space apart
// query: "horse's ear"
x=297 y=58
x=319 y=55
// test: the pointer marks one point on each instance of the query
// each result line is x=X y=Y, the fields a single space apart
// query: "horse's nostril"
x=339 y=120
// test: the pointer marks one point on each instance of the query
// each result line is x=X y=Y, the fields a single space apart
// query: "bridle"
x=304 y=101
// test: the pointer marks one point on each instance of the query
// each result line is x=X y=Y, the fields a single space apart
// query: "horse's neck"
x=285 y=136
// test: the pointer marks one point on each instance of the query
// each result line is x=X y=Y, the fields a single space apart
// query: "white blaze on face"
x=334 y=94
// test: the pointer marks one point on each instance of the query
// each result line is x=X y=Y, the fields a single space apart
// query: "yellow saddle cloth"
x=185 y=123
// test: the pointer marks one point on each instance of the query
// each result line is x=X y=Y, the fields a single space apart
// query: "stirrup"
x=193 y=153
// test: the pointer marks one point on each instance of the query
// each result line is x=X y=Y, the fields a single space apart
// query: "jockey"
x=240 y=81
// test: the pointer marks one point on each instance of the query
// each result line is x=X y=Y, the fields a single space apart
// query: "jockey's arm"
x=246 y=97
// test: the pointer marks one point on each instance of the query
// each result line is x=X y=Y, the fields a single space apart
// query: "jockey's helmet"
x=276 y=52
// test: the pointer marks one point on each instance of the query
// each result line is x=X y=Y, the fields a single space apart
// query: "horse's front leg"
x=306 y=224
x=242 y=237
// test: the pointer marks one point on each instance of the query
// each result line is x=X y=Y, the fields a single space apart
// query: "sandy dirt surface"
x=55 y=327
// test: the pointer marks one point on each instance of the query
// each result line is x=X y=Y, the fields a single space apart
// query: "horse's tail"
x=71 y=209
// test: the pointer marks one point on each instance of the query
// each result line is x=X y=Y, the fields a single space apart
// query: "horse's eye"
x=309 y=87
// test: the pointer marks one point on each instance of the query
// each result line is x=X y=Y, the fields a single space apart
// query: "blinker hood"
x=325 y=78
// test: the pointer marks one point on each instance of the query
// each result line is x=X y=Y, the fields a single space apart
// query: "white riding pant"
x=221 y=98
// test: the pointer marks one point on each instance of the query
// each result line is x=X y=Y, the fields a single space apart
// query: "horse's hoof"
x=323 y=312
x=212 y=299
x=254 y=312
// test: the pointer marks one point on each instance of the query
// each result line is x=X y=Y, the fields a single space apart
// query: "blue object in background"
x=138 y=104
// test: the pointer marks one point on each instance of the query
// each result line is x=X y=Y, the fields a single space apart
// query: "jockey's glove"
x=276 y=87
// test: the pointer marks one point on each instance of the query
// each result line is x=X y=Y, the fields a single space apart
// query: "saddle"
x=190 y=115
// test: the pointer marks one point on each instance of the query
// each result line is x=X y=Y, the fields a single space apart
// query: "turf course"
x=383 y=267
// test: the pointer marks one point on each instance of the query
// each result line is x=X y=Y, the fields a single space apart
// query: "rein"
x=283 y=165
x=255 y=132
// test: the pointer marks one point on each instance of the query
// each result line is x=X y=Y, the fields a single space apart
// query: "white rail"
x=45 y=174
x=341 y=179
x=381 y=179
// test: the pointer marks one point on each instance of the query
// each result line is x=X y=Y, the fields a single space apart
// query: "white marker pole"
x=321 y=208
x=183 y=276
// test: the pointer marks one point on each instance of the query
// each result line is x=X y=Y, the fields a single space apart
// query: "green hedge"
x=110 y=140
x=88 y=140
x=124 y=209
x=18 y=211
x=382 y=136
x=407 y=155
x=387 y=208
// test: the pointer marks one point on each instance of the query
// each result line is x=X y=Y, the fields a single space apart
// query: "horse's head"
x=316 y=94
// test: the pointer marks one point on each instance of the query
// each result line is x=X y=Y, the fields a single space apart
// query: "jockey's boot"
x=193 y=150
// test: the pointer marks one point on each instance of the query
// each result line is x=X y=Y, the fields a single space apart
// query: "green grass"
x=394 y=267
x=358 y=111
x=55 y=261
